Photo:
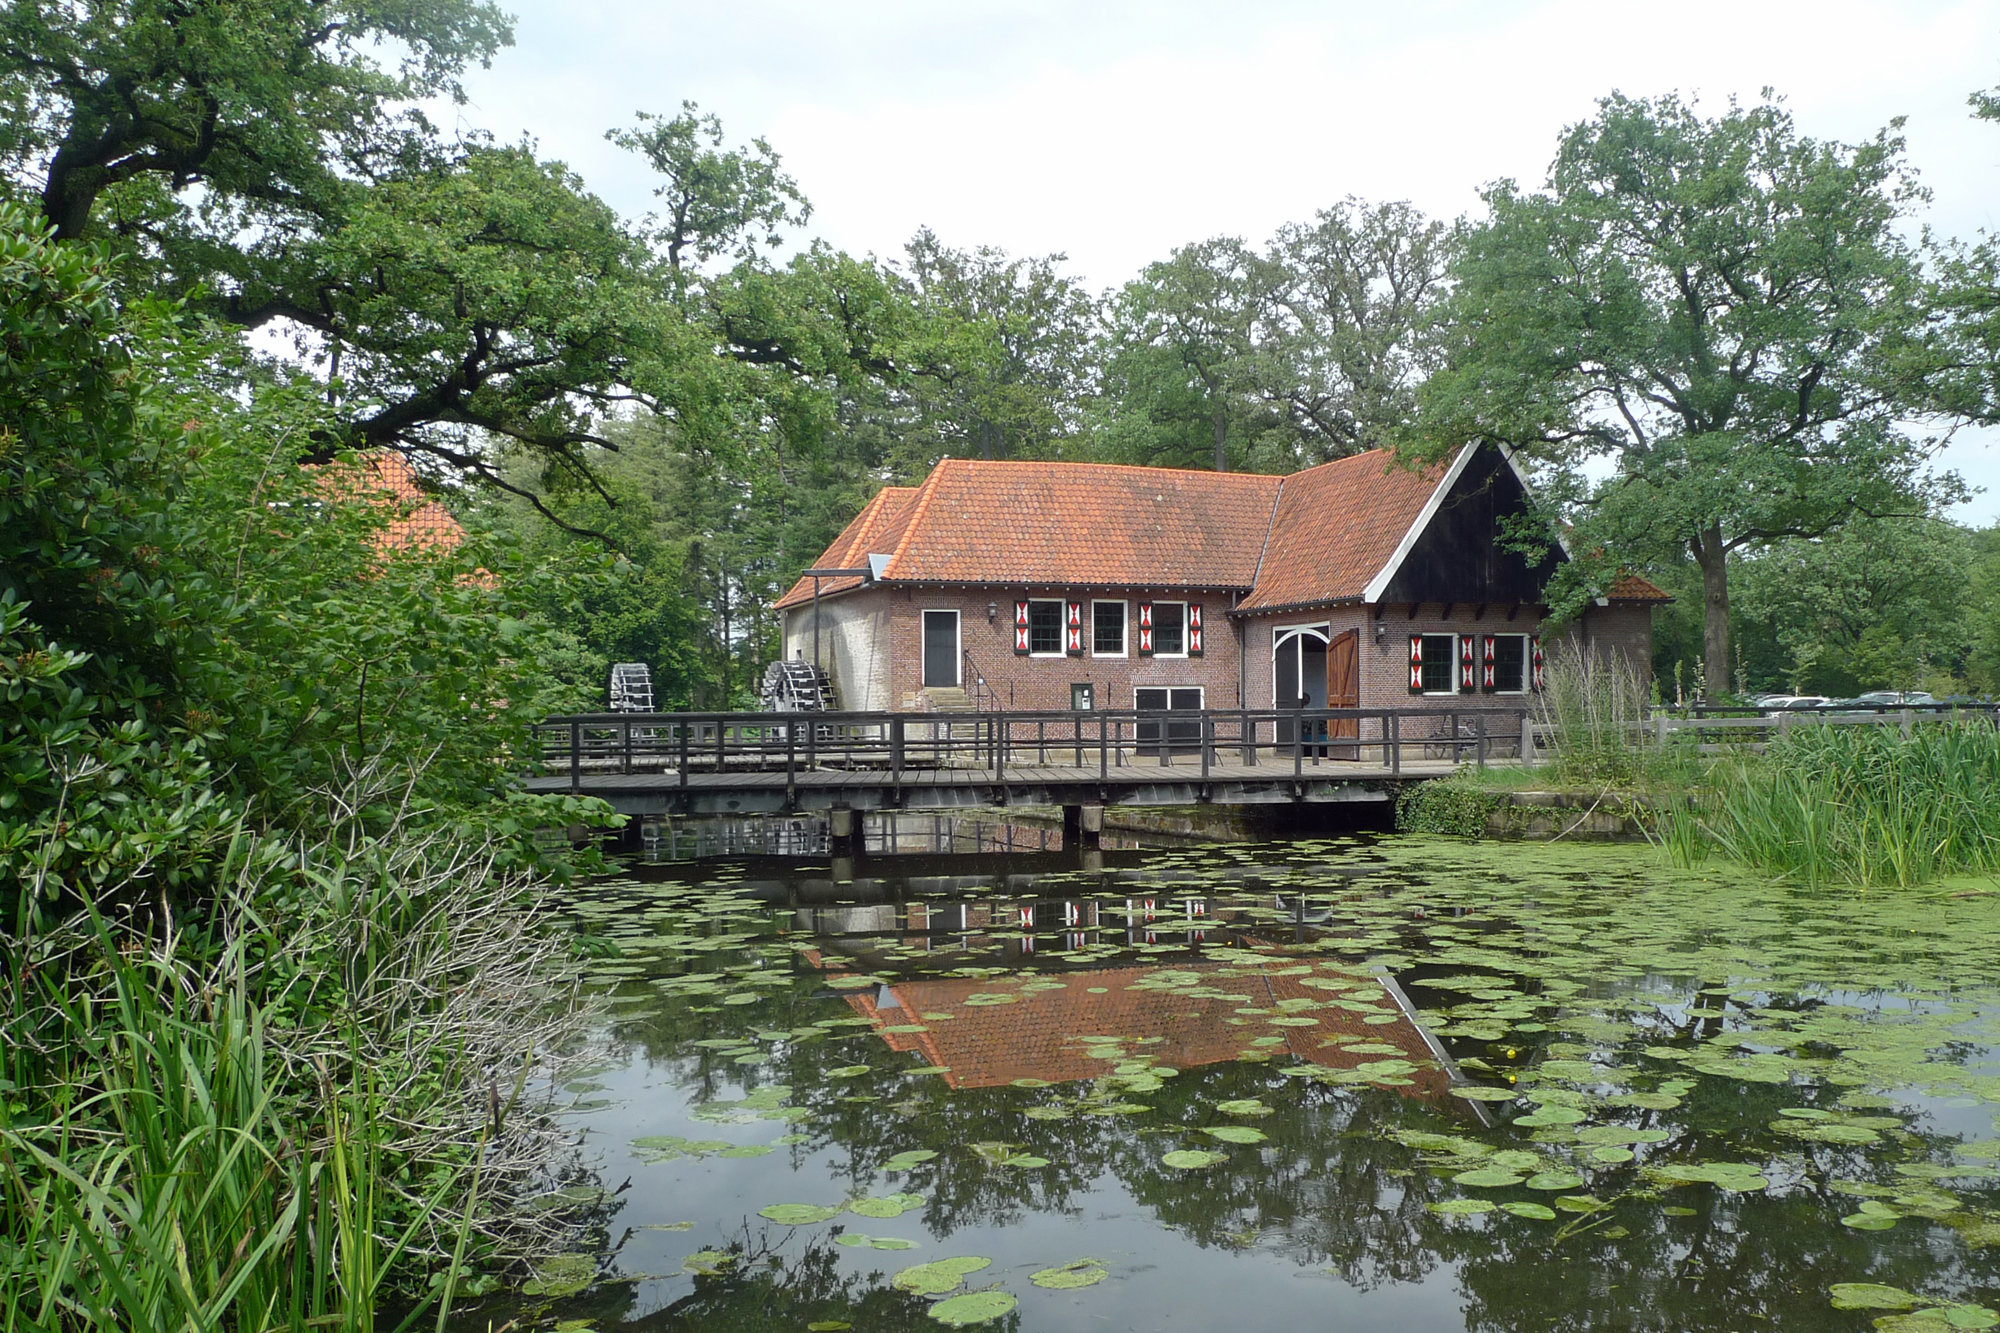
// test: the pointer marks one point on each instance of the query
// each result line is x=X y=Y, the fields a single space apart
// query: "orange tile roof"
x=385 y=478
x=1336 y=525
x=1039 y=1034
x=876 y=530
x=1632 y=588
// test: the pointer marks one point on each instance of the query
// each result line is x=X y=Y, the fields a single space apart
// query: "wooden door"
x=1343 y=684
x=940 y=648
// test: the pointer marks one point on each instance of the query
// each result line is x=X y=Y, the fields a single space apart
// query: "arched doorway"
x=1313 y=669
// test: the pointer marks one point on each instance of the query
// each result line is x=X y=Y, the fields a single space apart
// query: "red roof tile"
x=385 y=478
x=1632 y=588
x=876 y=530
x=1336 y=526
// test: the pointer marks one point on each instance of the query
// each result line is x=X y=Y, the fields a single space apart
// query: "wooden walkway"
x=694 y=764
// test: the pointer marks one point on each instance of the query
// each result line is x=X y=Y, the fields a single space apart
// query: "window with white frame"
x=1436 y=668
x=1170 y=629
x=1045 y=627
x=1507 y=658
x=1107 y=629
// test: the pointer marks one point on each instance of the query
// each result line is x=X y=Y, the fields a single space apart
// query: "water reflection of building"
x=1042 y=1028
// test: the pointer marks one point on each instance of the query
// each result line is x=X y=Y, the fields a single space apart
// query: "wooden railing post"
x=1000 y=745
x=896 y=749
x=1395 y=743
x=684 y=729
x=1479 y=730
x=1246 y=738
x=575 y=756
x=1103 y=748
x=1207 y=739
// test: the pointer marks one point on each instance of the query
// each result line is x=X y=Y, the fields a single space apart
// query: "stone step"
x=948 y=699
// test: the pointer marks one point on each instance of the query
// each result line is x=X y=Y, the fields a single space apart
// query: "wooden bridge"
x=749 y=763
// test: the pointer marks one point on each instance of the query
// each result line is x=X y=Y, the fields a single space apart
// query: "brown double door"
x=1343 y=685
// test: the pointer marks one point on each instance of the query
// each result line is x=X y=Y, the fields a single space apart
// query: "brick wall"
x=1044 y=682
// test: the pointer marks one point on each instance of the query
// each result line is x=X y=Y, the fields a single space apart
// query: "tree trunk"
x=1221 y=438
x=1713 y=558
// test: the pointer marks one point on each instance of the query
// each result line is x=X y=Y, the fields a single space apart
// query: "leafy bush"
x=1450 y=805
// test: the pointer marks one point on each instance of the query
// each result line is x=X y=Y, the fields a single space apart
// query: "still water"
x=1371 y=1083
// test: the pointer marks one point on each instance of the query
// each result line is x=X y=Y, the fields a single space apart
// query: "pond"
x=1359 y=1083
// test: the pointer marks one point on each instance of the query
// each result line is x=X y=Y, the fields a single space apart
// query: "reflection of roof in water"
x=1040 y=1033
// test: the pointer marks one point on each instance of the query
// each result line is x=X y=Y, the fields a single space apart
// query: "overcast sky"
x=1114 y=132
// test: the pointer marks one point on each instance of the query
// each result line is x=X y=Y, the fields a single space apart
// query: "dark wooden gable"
x=1459 y=556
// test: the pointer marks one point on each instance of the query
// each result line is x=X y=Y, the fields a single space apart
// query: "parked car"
x=1772 y=703
x=1893 y=699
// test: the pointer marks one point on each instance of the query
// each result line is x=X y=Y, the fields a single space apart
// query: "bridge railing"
x=1202 y=742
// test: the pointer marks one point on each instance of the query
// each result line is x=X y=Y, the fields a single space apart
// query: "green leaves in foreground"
x=1937 y=1319
x=1193 y=1159
x=799 y=1214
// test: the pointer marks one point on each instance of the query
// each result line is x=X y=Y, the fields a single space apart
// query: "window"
x=1170 y=629
x=1045 y=629
x=1507 y=663
x=1107 y=629
x=1431 y=666
x=1177 y=734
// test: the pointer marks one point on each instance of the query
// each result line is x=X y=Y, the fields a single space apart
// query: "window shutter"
x=1073 y=635
x=1468 y=671
x=1416 y=664
x=1145 y=629
x=1020 y=629
x=1194 y=629
x=1535 y=656
x=1486 y=676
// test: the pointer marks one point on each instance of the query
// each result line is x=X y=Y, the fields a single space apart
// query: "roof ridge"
x=1108 y=467
x=919 y=508
x=1270 y=522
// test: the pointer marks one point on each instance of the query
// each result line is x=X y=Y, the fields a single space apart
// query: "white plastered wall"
x=853 y=646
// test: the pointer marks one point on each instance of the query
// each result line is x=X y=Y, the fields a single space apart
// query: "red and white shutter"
x=1486 y=674
x=1073 y=635
x=1020 y=629
x=1468 y=671
x=1416 y=664
x=1145 y=629
x=1194 y=629
x=1535 y=656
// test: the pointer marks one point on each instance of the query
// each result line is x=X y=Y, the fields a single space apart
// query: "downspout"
x=1242 y=648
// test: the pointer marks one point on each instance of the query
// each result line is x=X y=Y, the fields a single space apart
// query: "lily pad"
x=1540 y=1212
x=903 y=1161
x=1068 y=1277
x=1872 y=1296
x=974 y=1307
x=1243 y=1106
x=563 y=1275
x=798 y=1214
x=1193 y=1159
x=1488 y=1177
x=1461 y=1207
x=888 y=1205
x=1237 y=1134
x=938 y=1276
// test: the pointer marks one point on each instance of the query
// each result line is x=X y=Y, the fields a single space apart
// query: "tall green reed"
x=1864 y=805
x=176 y=1183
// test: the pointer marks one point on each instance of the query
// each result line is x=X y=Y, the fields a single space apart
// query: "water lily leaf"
x=1872 y=1296
x=1243 y=1106
x=938 y=1276
x=889 y=1205
x=1488 y=1177
x=974 y=1307
x=1540 y=1212
x=1868 y=1222
x=903 y=1161
x=847 y=1071
x=798 y=1214
x=1237 y=1134
x=1611 y=1156
x=1480 y=1092
x=1193 y=1159
x=1068 y=1277
x=563 y=1275
x=1544 y=1116
x=1461 y=1207
x=707 y=1263
x=1554 y=1180
x=746 y=1150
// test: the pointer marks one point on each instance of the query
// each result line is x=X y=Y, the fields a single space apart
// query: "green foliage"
x=1453 y=805
x=1719 y=306
x=265 y=105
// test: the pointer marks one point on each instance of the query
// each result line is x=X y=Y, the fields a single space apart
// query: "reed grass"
x=306 y=1111
x=1592 y=706
x=1853 y=805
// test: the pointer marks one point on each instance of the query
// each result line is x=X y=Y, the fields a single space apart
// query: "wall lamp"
x=992 y=612
x=1381 y=633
